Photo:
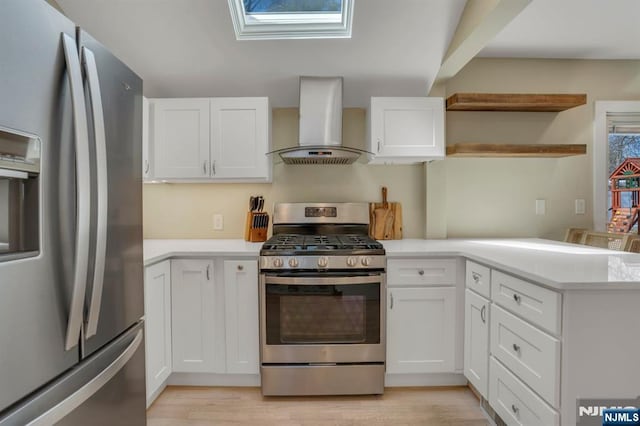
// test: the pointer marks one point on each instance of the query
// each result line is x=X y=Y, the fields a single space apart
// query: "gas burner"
x=298 y=244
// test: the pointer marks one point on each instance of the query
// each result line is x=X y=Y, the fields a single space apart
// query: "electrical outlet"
x=218 y=222
x=580 y=206
x=541 y=207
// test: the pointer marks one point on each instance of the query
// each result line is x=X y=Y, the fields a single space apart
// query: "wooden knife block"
x=256 y=234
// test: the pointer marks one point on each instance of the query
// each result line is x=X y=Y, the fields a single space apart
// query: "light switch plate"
x=541 y=207
x=218 y=222
x=580 y=206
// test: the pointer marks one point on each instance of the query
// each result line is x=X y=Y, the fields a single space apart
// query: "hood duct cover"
x=320 y=129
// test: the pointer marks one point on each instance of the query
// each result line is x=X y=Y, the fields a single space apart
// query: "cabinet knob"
x=420 y=272
x=476 y=276
x=240 y=268
x=517 y=298
x=514 y=409
x=516 y=348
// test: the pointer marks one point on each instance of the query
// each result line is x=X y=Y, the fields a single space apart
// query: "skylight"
x=291 y=19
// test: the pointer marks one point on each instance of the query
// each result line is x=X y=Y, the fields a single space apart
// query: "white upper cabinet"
x=180 y=138
x=146 y=164
x=406 y=130
x=240 y=138
x=210 y=139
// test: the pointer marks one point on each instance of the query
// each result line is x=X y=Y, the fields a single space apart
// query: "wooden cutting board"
x=385 y=220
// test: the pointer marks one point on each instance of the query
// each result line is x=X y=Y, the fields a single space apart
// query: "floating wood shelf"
x=506 y=150
x=514 y=102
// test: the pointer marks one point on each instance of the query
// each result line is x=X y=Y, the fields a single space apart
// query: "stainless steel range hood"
x=320 y=140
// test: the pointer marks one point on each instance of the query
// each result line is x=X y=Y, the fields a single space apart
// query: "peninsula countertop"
x=557 y=265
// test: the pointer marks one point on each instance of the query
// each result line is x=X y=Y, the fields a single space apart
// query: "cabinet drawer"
x=529 y=353
x=514 y=402
x=531 y=302
x=421 y=272
x=478 y=278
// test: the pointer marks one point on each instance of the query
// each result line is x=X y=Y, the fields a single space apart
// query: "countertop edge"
x=394 y=254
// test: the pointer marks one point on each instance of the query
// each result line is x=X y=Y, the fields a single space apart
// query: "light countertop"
x=157 y=250
x=557 y=265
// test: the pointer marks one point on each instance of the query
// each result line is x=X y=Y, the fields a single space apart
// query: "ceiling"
x=188 y=48
x=579 y=29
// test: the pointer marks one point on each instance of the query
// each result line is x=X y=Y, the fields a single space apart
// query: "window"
x=617 y=166
x=291 y=19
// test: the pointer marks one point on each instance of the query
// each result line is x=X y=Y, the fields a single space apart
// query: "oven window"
x=321 y=314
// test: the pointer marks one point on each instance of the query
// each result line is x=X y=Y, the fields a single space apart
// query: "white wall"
x=482 y=197
x=186 y=210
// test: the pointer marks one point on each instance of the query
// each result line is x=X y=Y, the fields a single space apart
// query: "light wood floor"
x=196 y=406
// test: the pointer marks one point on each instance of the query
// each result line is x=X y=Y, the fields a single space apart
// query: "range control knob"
x=366 y=261
x=293 y=262
x=277 y=262
x=352 y=261
x=323 y=262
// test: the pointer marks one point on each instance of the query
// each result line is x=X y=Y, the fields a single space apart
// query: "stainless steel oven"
x=322 y=311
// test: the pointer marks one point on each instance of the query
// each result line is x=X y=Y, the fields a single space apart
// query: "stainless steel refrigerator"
x=71 y=272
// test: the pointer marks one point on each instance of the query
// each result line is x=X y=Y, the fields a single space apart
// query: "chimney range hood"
x=320 y=136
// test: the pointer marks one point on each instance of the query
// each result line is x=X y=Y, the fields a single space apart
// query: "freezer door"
x=105 y=389
x=35 y=291
x=117 y=303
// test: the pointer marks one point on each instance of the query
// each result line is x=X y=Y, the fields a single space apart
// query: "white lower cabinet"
x=241 y=316
x=421 y=330
x=157 y=312
x=193 y=304
x=514 y=402
x=476 y=341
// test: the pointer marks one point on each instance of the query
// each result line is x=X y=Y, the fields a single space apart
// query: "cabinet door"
x=180 y=138
x=406 y=129
x=146 y=165
x=421 y=330
x=193 y=315
x=240 y=135
x=241 y=316
x=157 y=313
x=476 y=341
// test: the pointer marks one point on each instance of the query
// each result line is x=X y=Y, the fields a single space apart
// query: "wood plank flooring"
x=200 y=406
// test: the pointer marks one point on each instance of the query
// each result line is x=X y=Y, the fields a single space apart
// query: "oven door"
x=335 y=318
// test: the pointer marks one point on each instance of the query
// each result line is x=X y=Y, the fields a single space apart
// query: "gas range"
x=322 y=302
x=320 y=237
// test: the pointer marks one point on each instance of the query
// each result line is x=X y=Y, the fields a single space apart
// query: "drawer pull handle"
x=483 y=313
x=517 y=298
x=514 y=409
x=391 y=294
x=208 y=272
x=421 y=272
x=516 y=348
x=476 y=277
x=240 y=268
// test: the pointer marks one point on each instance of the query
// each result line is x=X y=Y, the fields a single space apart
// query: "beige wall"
x=186 y=210
x=496 y=197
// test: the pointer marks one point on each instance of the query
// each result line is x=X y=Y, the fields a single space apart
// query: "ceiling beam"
x=480 y=22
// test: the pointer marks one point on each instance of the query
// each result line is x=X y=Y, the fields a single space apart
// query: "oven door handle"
x=354 y=280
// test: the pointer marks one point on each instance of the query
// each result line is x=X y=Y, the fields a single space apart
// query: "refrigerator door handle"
x=65 y=407
x=83 y=188
x=91 y=70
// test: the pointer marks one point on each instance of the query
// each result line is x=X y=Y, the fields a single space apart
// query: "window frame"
x=283 y=26
x=601 y=154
